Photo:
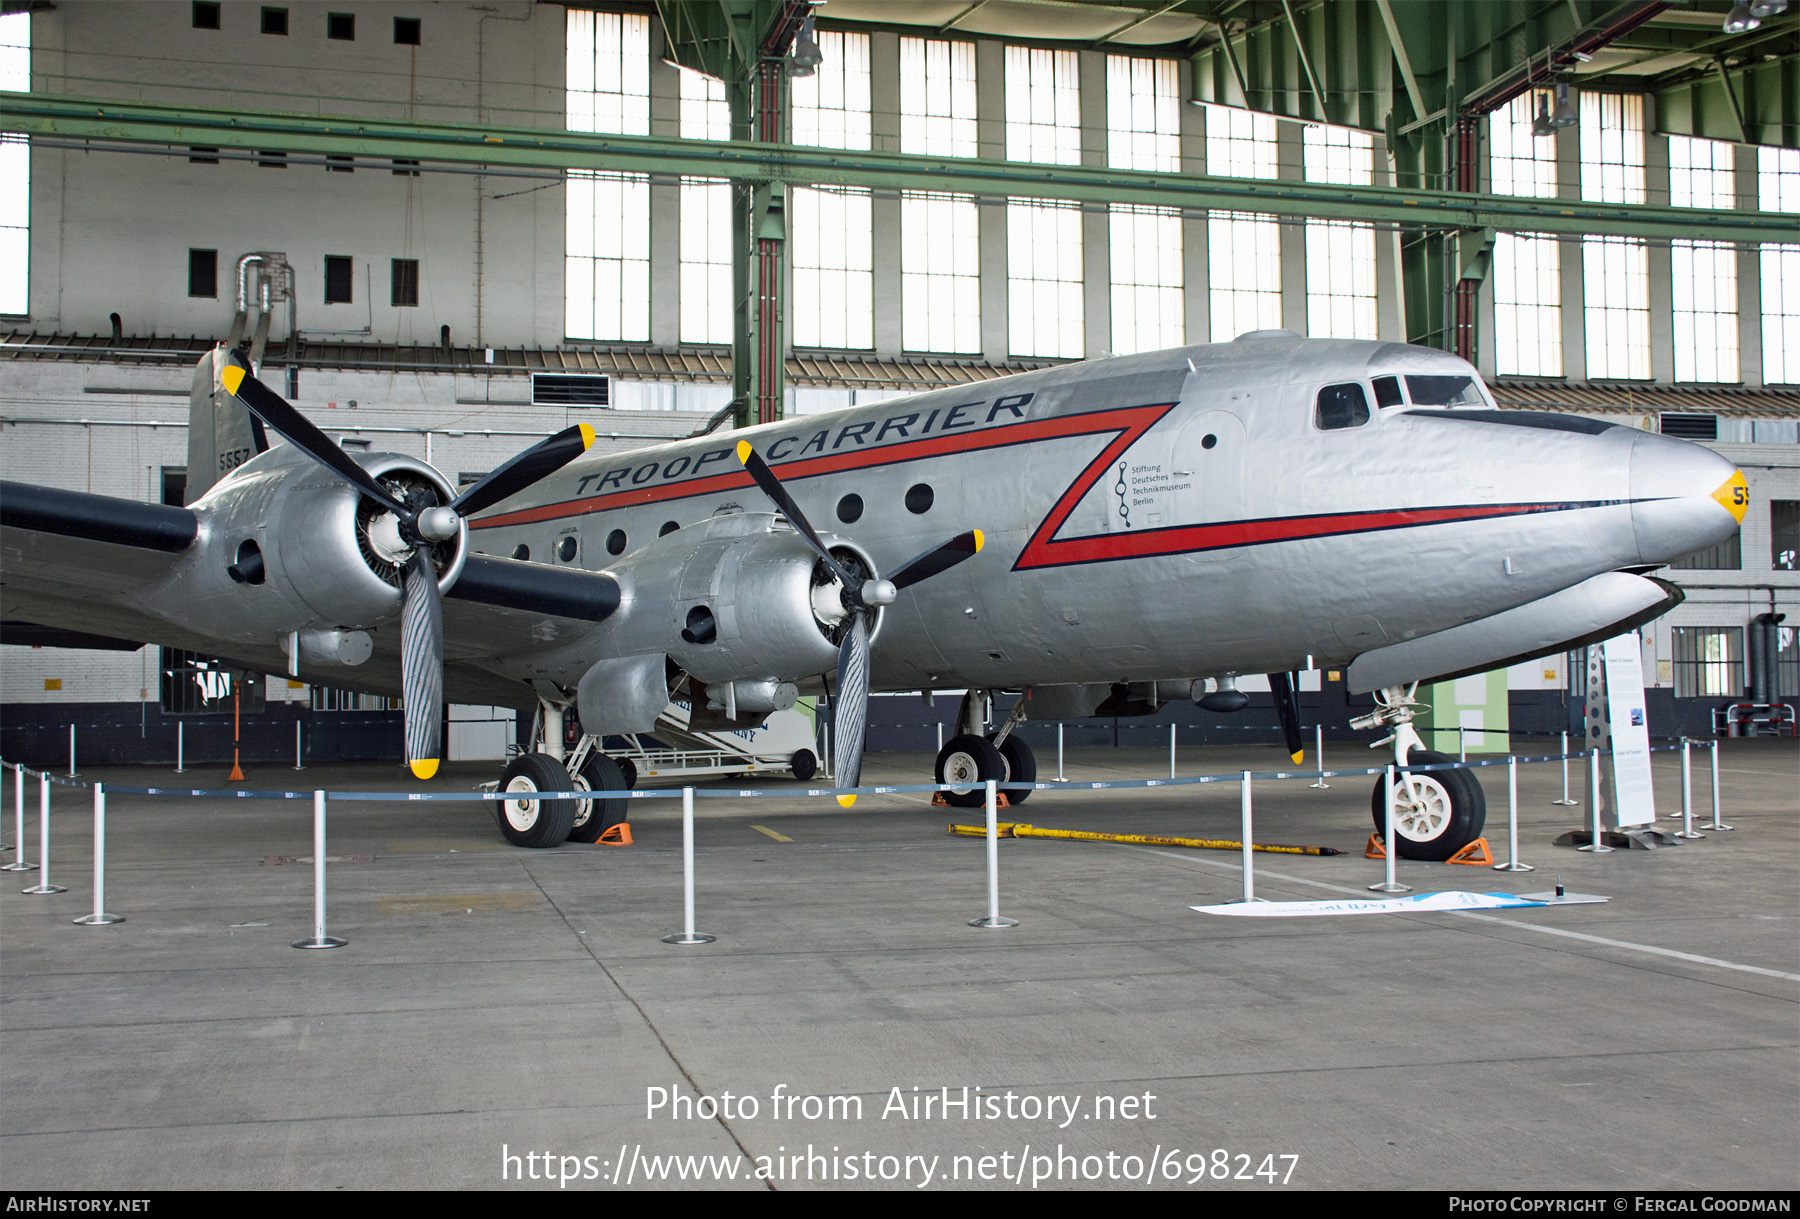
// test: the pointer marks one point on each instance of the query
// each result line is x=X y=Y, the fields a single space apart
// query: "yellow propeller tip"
x=743 y=450
x=846 y=801
x=232 y=376
x=587 y=436
x=980 y=540
x=1298 y=757
x=424 y=768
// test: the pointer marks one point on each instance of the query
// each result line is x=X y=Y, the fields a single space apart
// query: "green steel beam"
x=1758 y=103
x=93 y=119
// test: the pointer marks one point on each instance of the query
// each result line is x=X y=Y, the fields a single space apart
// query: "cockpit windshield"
x=1444 y=390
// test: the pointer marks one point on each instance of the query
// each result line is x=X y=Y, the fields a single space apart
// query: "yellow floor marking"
x=771 y=833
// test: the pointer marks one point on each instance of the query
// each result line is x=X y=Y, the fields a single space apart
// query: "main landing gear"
x=1436 y=813
x=526 y=820
x=973 y=756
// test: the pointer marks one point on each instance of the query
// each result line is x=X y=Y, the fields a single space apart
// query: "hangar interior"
x=449 y=230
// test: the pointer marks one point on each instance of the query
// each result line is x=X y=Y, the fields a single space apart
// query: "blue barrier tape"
x=752 y=793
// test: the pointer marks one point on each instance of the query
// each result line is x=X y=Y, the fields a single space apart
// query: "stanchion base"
x=323 y=941
x=985 y=921
x=682 y=937
x=1321 y=785
x=1582 y=840
x=18 y=867
x=1514 y=867
x=1716 y=826
x=1687 y=834
x=1396 y=887
x=44 y=889
x=97 y=920
x=1567 y=803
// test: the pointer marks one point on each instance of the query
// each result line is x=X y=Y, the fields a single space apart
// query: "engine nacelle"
x=735 y=598
x=285 y=546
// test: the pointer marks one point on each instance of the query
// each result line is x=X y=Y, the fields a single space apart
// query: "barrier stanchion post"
x=992 y=918
x=180 y=745
x=319 y=938
x=1319 y=756
x=18 y=799
x=1059 y=753
x=1462 y=743
x=1245 y=835
x=71 y=751
x=1171 y=751
x=1565 y=769
x=44 y=885
x=298 y=764
x=940 y=735
x=1597 y=844
x=1687 y=795
x=689 y=936
x=18 y=864
x=99 y=918
x=1390 y=885
x=1716 y=823
x=1512 y=863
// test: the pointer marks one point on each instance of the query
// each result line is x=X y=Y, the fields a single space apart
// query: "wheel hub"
x=1423 y=815
x=521 y=814
x=962 y=770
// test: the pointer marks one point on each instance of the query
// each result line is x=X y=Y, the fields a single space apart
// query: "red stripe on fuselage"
x=1130 y=422
x=1127 y=425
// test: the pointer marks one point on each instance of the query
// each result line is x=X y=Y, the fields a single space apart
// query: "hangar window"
x=406 y=31
x=1243 y=250
x=341 y=26
x=202 y=156
x=274 y=21
x=1143 y=113
x=607 y=248
x=1341 y=406
x=1527 y=267
x=203 y=273
x=404 y=285
x=1784 y=534
x=269 y=158
x=1340 y=257
x=338 y=278
x=1778 y=189
x=940 y=274
x=705 y=219
x=336 y=163
x=1709 y=661
x=1615 y=270
x=15 y=170
x=1726 y=556
x=206 y=14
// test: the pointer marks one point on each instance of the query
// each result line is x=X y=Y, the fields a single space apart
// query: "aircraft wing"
x=89 y=563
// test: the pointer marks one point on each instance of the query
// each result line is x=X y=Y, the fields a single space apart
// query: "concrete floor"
x=495 y=1002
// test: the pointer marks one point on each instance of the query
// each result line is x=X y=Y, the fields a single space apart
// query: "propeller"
x=415 y=524
x=1288 y=711
x=861 y=595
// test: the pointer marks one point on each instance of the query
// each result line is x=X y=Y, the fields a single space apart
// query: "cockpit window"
x=1444 y=390
x=1342 y=406
x=1387 y=392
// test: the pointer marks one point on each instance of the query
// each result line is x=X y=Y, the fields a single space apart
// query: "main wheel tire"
x=1448 y=815
x=526 y=822
x=600 y=774
x=630 y=770
x=1021 y=767
x=968 y=760
x=804 y=764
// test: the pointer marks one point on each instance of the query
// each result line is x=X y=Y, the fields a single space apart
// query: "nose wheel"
x=1436 y=813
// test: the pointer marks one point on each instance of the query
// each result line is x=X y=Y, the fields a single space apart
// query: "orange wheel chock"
x=617 y=835
x=1476 y=854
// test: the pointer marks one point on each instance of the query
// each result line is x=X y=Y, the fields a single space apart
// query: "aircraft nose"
x=1684 y=497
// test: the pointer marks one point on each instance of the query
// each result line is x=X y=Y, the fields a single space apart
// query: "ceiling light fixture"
x=1565 y=115
x=807 y=56
x=1741 y=20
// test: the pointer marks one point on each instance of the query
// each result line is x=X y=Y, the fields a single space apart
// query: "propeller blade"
x=422 y=664
x=771 y=487
x=938 y=559
x=1282 y=686
x=303 y=434
x=540 y=460
x=851 y=717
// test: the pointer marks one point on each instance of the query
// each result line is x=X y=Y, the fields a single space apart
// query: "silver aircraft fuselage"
x=1200 y=511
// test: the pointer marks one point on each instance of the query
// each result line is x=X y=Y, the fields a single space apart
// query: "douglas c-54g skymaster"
x=1099 y=534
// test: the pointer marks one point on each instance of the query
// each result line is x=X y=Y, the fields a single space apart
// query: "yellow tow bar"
x=1014 y=829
